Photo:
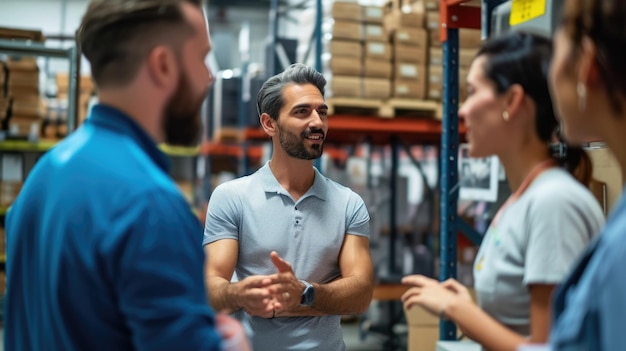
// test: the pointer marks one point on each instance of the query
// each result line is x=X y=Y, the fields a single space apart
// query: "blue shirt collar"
x=110 y=118
x=271 y=185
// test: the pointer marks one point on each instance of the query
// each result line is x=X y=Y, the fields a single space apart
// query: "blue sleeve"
x=159 y=276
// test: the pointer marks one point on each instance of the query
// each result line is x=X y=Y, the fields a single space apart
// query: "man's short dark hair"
x=270 y=98
x=117 y=35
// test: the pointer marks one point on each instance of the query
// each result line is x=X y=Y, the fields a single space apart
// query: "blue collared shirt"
x=103 y=252
x=590 y=306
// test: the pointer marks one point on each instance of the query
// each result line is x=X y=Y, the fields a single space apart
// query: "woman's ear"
x=588 y=70
x=514 y=99
x=268 y=124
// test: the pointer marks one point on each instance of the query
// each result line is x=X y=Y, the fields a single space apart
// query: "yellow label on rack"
x=526 y=10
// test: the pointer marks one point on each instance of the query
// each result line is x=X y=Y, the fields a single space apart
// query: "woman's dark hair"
x=602 y=21
x=524 y=59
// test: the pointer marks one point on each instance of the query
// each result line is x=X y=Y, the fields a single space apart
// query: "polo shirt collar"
x=271 y=185
x=110 y=118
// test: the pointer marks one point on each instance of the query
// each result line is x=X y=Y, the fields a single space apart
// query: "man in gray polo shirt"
x=297 y=241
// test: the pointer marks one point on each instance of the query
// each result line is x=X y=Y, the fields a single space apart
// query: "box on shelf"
x=346 y=48
x=347 y=11
x=21 y=63
x=397 y=16
x=376 y=88
x=378 y=50
x=9 y=191
x=347 y=30
x=373 y=14
x=407 y=70
x=413 y=54
x=410 y=88
x=346 y=66
x=341 y=86
x=375 y=68
x=374 y=32
x=466 y=56
x=410 y=36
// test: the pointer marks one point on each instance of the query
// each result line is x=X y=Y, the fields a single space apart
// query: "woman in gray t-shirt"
x=538 y=233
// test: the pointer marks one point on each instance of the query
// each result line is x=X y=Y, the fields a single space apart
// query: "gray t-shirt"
x=535 y=241
x=262 y=216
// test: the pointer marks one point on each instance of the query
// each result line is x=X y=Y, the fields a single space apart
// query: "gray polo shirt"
x=536 y=241
x=262 y=216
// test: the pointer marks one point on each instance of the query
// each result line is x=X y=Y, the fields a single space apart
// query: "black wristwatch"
x=308 y=295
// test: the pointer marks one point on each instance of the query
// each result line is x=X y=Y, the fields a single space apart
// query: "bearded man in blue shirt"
x=103 y=252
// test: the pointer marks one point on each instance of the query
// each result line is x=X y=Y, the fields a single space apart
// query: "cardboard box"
x=410 y=89
x=346 y=66
x=21 y=63
x=86 y=83
x=412 y=54
x=347 y=11
x=411 y=36
x=408 y=70
x=423 y=329
x=375 y=88
x=347 y=30
x=404 y=17
x=345 y=86
x=24 y=79
x=375 y=68
x=378 y=50
x=373 y=14
x=346 y=48
x=606 y=169
x=374 y=32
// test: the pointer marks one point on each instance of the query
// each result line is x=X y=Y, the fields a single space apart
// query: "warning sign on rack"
x=526 y=10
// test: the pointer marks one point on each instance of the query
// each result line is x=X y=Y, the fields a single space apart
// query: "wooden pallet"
x=386 y=108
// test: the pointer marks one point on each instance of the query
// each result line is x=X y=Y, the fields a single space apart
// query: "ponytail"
x=575 y=160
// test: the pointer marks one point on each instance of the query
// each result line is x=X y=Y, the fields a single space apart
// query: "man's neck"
x=143 y=113
x=294 y=175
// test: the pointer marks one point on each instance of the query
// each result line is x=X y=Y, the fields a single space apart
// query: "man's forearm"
x=219 y=297
x=342 y=296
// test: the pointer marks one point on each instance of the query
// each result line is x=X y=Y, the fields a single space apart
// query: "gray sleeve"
x=357 y=217
x=223 y=215
x=561 y=224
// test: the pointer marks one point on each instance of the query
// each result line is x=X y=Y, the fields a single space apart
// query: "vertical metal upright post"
x=318 y=55
x=449 y=168
x=393 y=225
x=271 y=66
x=244 y=89
x=74 y=86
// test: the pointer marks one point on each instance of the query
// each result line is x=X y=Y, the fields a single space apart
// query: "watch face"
x=308 y=295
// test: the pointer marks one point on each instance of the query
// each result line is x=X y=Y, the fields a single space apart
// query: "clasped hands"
x=267 y=296
x=432 y=295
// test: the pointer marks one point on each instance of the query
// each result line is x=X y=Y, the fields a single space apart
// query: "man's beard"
x=294 y=145
x=181 y=122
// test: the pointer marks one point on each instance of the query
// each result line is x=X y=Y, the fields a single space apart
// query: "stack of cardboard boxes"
x=56 y=119
x=404 y=23
x=4 y=99
x=23 y=89
x=344 y=59
x=377 y=73
x=469 y=42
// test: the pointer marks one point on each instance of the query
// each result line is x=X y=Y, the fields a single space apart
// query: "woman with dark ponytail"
x=588 y=84
x=542 y=228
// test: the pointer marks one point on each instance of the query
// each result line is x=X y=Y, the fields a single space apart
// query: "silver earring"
x=506 y=116
x=581 y=89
